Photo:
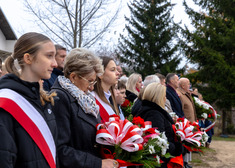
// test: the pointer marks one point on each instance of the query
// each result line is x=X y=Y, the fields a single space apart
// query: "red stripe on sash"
x=103 y=113
x=11 y=107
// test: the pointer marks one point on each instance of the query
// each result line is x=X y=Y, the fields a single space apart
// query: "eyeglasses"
x=90 y=83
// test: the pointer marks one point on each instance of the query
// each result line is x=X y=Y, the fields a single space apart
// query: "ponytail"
x=10 y=66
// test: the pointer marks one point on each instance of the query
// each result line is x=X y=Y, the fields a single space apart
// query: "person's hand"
x=109 y=163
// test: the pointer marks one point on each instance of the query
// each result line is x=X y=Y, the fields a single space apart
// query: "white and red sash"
x=103 y=113
x=105 y=109
x=32 y=121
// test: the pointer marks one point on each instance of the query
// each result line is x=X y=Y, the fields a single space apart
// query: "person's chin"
x=47 y=76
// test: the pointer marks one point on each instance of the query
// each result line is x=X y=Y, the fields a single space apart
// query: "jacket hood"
x=27 y=89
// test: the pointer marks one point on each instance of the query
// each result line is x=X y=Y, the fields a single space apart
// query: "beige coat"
x=187 y=105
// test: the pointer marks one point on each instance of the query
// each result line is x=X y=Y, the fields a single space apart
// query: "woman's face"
x=43 y=64
x=110 y=76
x=139 y=84
x=86 y=82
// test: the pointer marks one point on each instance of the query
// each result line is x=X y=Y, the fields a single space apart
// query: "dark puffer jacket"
x=162 y=120
x=17 y=148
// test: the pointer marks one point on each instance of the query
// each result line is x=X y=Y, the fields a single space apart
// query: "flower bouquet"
x=206 y=111
x=126 y=107
x=203 y=108
x=189 y=134
x=134 y=143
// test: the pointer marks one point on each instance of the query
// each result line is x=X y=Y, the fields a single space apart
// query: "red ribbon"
x=108 y=155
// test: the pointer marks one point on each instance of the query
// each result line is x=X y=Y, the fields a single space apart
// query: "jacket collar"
x=57 y=72
x=182 y=91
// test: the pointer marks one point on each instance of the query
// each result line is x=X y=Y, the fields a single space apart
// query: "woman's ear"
x=100 y=77
x=28 y=58
x=73 y=77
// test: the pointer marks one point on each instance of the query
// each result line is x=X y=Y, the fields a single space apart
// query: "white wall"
x=6 y=45
x=10 y=45
x=2 y=41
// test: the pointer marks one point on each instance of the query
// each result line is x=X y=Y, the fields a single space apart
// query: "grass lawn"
x=200 y=160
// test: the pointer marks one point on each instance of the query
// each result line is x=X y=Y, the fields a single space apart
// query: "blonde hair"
x=83 y=62
x=156 y=93
x=28 y=43
x=131 y=83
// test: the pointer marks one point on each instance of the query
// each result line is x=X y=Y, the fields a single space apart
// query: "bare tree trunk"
x=76 y=25
x=80 y=25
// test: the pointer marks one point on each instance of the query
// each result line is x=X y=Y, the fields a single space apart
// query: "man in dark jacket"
x=59 y=57
x=172 y=81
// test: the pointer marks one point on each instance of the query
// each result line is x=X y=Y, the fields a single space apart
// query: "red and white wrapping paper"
x=120 y=132
x=184 y=129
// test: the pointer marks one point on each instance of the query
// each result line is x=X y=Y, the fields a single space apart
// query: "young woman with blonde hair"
x=133 y=86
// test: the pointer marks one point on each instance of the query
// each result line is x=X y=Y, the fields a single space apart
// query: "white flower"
x=163 y=151
x=204 y=115
x=205 y=106
x=151 y=149
x=205 y=138
x=164 y=136
x=158 y=159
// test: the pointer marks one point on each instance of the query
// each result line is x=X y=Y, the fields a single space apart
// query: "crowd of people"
x=51 y=102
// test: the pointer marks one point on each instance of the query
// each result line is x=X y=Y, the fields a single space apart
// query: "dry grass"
x=201 y=159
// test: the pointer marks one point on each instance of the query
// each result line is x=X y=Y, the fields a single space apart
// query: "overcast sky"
x=19 y=18
x=20 y=22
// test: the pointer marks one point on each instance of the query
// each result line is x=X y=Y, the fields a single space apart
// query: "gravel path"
x=220 y=155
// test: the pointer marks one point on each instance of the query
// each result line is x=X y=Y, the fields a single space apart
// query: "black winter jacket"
x=77 y=131
x=17 y=148
x=130 y=96
x=162 y=120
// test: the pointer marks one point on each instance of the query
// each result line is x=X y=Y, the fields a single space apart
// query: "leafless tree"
x=75 y=23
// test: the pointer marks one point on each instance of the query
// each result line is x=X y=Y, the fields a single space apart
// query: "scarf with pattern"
x=86 y=101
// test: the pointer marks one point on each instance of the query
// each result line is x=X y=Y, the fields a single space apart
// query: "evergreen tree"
x=212 y=46
x=149 y=46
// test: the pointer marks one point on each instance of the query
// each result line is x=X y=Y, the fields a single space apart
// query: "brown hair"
x=99 y=89
x=28 y=43
x=121 y=85
x=59 y=47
